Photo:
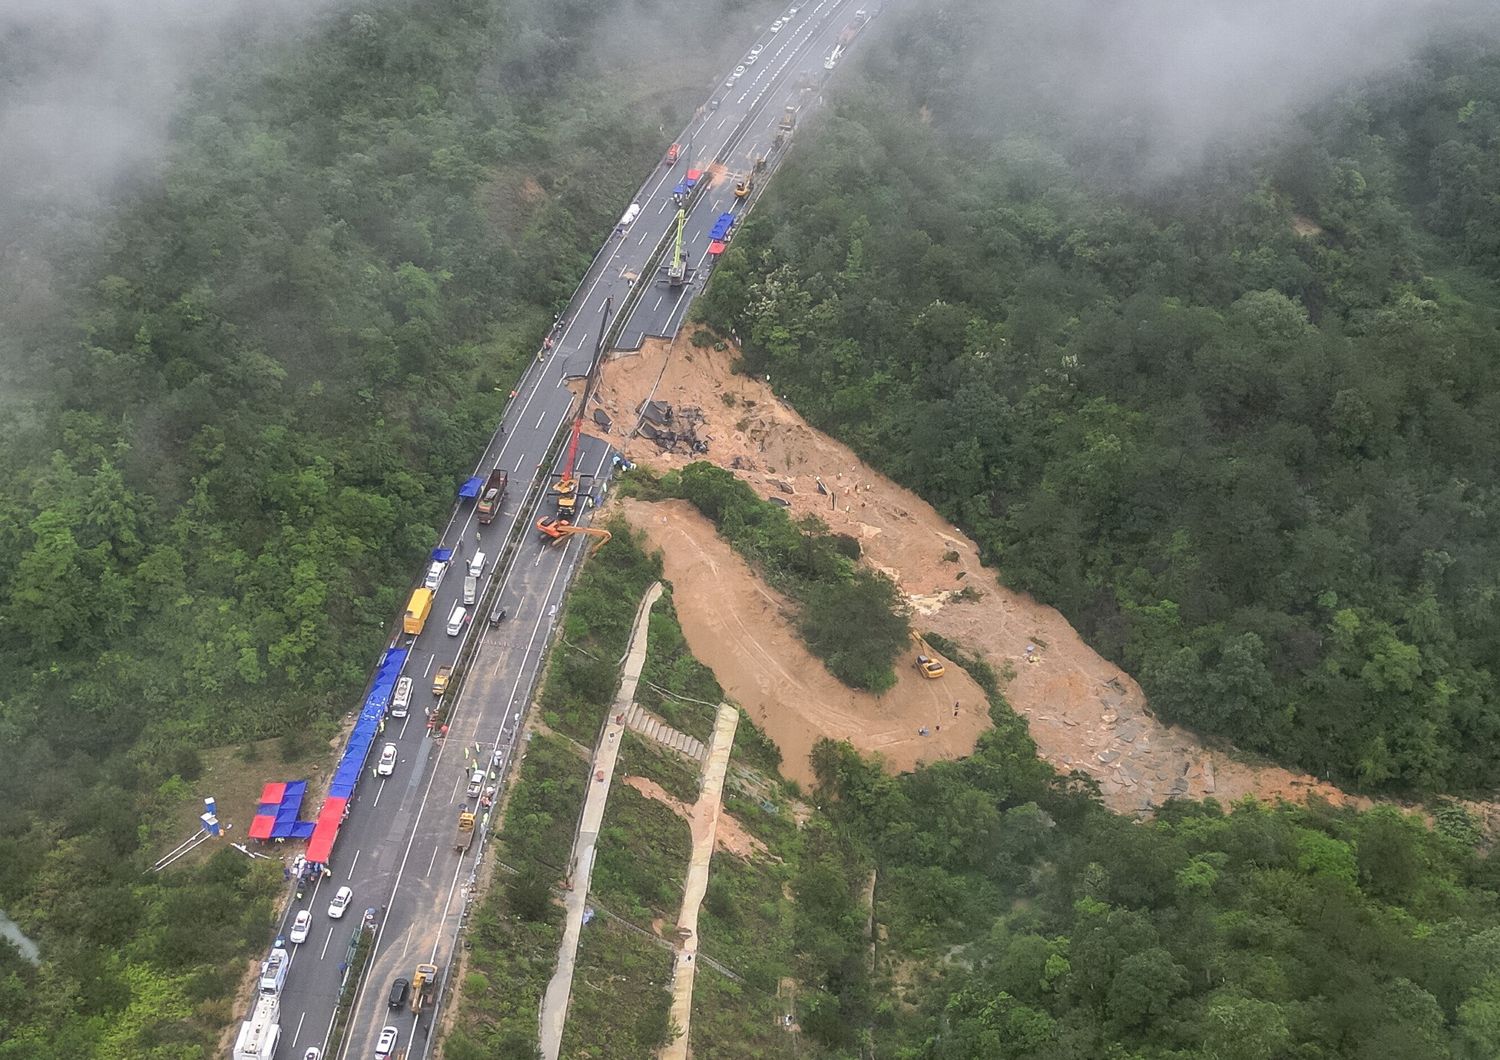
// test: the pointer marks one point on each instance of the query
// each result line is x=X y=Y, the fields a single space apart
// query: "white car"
x=739 y=72
x=776 y=26
x=456 y=619
x=401 y=701
x=341 y=899
x=313 y=1053
x=301 y=925
x=793 y=10
x=732 y=79
x=387 y=1044
x=754 y=55
x=387 y=764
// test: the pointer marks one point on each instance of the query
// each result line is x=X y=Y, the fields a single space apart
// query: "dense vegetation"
x=811 y=564
x=1045 y=927
x=233 y=432
x=1239 y=424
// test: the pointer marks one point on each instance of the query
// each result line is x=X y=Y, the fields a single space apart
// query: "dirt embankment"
x=1084 y=713
x=742 y=631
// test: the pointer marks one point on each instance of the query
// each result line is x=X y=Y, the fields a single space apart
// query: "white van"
x=471 y=590
x=476 y=565
x=401 y=701
x=435 y=574
x=456 y=620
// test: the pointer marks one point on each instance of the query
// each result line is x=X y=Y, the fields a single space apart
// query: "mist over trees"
x=1238 y=423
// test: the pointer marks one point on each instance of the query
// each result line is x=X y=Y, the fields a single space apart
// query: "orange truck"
x=417 y=610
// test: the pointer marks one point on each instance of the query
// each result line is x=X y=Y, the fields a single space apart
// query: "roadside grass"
x=677 y=775
x=510 y=957
x=736 y=1022
x=542 y=813
x=620 y=1008
x=671 y=671
x=583 y=673
x=234 y=775
x=641 y=858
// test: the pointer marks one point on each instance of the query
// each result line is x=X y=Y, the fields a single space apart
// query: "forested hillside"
x=242 y=400
x=1235 y=415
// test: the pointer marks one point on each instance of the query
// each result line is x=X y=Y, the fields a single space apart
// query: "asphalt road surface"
x=395 y=850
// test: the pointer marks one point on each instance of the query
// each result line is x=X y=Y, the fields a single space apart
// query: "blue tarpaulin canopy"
x=442 y=555
x=470 y=489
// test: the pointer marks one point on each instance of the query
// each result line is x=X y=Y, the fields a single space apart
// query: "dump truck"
x=788 y=118
x=417 y=610
x=423 y=987
x=465 y=833
x=440 y=680
x=493 y=495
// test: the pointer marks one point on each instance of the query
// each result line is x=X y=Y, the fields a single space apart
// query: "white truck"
x=273 y=973
x=260 y=1033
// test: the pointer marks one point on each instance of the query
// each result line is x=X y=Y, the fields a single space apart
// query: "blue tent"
x=471 y=488
x=442 y=555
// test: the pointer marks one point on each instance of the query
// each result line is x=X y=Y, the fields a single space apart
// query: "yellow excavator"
x=557 y=530
x=930 y=667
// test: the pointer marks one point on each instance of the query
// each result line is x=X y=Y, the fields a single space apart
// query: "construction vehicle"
x=423 y=987
x=558 y=530
x=930 y=667
x=440 y=681
x=742 y=184
x=465 y=833
x=493 y=495
x=672 y=153
x=788 y=118
x=677 y=271
x=565 y=489
x=417 y=610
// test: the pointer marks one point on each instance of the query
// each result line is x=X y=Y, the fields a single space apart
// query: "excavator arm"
x=557 y=530
x=930 y=667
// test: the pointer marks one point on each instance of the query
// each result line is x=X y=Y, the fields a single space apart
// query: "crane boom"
x=677 y=271
x=566 y=486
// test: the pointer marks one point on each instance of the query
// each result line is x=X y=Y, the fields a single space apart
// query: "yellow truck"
x=417 y=610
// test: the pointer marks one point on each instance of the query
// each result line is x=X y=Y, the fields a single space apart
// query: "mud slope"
x=1083 y=711
x=739 y=628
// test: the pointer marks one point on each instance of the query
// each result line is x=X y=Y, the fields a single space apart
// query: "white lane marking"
x=324 y=951
x=428 y=668
x=353 y=863
x=433 y=862
x=725 y=118
x=378 y=792
x=660 y=299
x=298 y=1031
x=539 y=421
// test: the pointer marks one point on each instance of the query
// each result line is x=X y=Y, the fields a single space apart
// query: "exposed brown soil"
x=729 y=834
x=1084 y=712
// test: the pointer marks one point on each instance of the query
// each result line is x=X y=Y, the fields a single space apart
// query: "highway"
x=395 y=850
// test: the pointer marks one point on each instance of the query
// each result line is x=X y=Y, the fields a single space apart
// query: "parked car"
x=476 y=784
x=754 y=55
x=476 y=565
x=387 y=764
x=401 y=701
x=301 y=925
x=739 y=71
x=313 y=1053
x=776 y=26
x=387 y=1043
x=456 y=619
x=341 y=899
x=399 y=989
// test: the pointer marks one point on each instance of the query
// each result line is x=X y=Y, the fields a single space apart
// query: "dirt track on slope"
x=1083 y=711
